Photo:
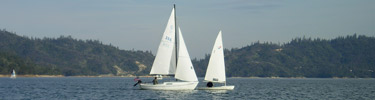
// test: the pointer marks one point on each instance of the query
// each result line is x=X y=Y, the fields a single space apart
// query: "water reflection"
x=217 y=94
x=246 y=89
x=183 y=94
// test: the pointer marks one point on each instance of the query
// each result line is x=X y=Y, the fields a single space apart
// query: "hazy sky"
x=139 y=24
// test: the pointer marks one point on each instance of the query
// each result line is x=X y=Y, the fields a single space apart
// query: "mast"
x=175 y=30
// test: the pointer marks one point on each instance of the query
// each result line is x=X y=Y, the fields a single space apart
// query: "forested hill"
x=350 y=56
x=68 y=56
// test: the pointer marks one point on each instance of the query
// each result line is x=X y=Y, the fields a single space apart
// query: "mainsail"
x=216 y=66
x=13 y=75
x=165 y=62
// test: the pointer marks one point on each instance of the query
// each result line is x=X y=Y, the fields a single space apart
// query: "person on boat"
x=155 y=81
x=139 y=81
x=210 y=84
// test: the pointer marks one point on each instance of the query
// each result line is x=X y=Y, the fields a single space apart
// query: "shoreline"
x=56 y=76
x=34 y=76
x=7 y=76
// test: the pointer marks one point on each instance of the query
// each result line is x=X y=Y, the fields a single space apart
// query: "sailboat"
x=172 y=58
x=13 y=75
x=216 y=67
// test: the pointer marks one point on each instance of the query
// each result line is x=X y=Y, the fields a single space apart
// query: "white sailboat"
x=13 y=75
x=173 y=60
x=216 y=67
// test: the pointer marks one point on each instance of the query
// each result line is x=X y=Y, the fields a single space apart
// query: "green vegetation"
x=68 y=56
x=8 y=62
x=350 y=56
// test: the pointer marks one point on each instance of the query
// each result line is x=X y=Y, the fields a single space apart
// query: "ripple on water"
x=121 y=88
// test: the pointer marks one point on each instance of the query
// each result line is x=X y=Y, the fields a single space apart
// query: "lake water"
x=246 y=88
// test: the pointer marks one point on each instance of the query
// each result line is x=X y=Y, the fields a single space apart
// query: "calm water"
x=121 y=88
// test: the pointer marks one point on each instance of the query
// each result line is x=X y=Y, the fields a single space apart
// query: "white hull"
x=217 y=88
x=170 y=86
x=12 y=76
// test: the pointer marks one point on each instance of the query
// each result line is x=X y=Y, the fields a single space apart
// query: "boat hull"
x=217 y=88
x=170 y=86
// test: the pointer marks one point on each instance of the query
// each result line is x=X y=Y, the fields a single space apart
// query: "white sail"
x=216 y=66
x=13 y=74
x=164 y=63
x=185 y=70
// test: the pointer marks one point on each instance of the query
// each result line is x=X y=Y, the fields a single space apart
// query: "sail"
x=185 y=70
x=13 y=74
x=162 y=64
x=216 y=66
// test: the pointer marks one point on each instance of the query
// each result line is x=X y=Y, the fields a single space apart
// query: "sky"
x=139 y=24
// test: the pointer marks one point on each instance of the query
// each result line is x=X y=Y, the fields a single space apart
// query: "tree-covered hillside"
x=68 y=56
x=350 y=56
